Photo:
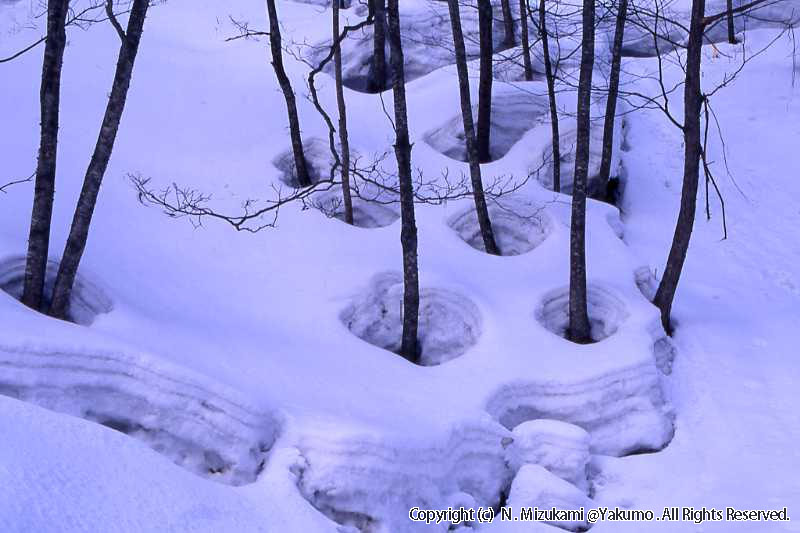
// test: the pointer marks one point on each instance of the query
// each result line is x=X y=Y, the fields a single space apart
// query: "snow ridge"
x=367 y=479
x=623 y=410
x=207 y=431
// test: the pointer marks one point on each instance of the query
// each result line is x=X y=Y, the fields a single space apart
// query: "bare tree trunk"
x=579 y=330
x=693 y=100
x=82 y=219
x=482 y=211
x=301 y=168
x=484 y=128
x=509 y=39
x=377 y=77
x=613 y=92
x=551 y=96
x=49 y=99
x=731 y=28
x=526 y=43
x=343 y=137
x=408 y=233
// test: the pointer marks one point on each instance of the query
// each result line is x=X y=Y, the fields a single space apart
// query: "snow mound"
x=561 y=448
x=370 y=482
x=211 y=433
x=517 y=228
x=534 y=486
x=640 y=43
x=616 y=225
x=87 y=300
x=509 y=66
x=449 y=324
x=624 y=410
x=606 y=311
x=514 y=113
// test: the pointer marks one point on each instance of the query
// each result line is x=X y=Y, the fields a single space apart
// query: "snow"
x=561 y=448
x=733 y=379
x=232 y=361
x=208 y=432
x=87 y=300
x=534 y=486
x=449 y=324
x=61 y=473
x=518 y=227
x=514 y=112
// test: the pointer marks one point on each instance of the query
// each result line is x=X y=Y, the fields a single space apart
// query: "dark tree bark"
x=344 y=141
x=483 y=133
x=301 y=168
x=579 y=330
x=408 y=233
x=49 y=99
x=550 y=76
x=613 y=92
x=509 y=39
x=731 y=28
x=82 y=219
x=693 y=100
x=482 y=211
x=377 y=77
x=525 y=38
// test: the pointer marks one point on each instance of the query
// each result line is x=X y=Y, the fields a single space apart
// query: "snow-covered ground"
x=248 y=371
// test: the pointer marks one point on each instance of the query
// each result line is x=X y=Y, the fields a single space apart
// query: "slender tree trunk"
x=408 y=232
x=301 y=168
x=613 y=92
x=49 y=99
x=526 y=43
x=82 y=219
x=343 y=137
x=579 y=330
x=377 y=78
x=509 y=39
x=550 y=76
x=693 y=100
x=731 y=28
x=484 y=128
x=482 y=211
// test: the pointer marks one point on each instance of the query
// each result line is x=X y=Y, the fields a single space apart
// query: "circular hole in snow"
x=87 y=300
x=606 y=312
x=449 y=323
x=517 y=229
x=514 y=113
x=319 y=162
x=366 y=214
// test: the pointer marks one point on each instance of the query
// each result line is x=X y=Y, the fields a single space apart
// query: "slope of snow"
x=738 y=305
x=61 y=473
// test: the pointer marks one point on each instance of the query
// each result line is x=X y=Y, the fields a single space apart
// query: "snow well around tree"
x=449 y=323
x=606 y=310
x=514 y=113
x=518 y=227
x=87 y=300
